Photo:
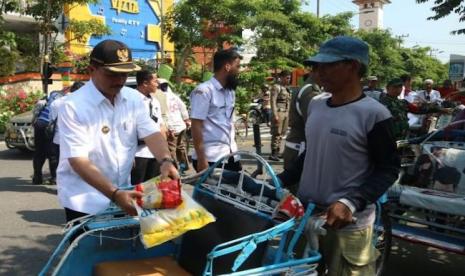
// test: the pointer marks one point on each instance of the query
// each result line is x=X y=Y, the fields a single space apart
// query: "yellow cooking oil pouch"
x=161 y=225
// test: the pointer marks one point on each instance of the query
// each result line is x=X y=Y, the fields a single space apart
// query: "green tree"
x=8 y=52
x=386 y=60
x=46 y=12
x=419 y=64
x=285 y=35
x=443 y=8
x=202 y=23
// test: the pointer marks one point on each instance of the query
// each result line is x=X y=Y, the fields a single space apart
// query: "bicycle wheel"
x=240 y=126
x=382 y=237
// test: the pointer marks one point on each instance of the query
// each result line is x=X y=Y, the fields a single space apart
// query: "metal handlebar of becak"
x=223 y=160
x=243 y=185
x=284 y=260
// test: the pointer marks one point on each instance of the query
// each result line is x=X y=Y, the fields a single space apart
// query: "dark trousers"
x=144 y=169
x=54 y=158
x=267 y=112
x=70 y=215
x=231 y=165
x=42 y=151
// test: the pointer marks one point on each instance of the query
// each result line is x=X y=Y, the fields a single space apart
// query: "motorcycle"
x=257 y=114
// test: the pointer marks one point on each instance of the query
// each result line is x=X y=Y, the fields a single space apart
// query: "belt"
x=300 y=147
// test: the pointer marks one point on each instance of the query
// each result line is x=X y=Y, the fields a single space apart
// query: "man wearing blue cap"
x=350 y=160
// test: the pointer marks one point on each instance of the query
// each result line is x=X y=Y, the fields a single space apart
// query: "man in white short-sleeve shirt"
x=145 y=164
x=212 y=112
x=429 y=95
x=99 y=127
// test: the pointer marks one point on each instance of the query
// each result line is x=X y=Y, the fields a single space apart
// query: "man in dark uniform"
x=280 y=98
x=295 y=140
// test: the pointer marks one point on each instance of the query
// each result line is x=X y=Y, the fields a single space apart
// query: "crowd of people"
x=339 y=153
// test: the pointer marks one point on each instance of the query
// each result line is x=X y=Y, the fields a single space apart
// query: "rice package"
x=159 y=194
x=159 y=226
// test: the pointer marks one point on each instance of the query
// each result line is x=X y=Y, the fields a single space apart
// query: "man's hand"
x=168 y=170
x=202 y=165
x=338 y=216
x=124 y=199
x=188 y=123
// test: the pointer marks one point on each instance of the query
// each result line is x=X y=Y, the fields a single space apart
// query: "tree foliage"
x=443 y=8
x=46 y=12
x=204 y=23
x=283 y=36
x=388 y=59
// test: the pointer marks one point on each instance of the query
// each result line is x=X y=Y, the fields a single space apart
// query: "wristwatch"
x=168 y=159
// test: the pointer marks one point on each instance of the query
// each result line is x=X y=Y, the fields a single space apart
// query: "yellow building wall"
x=82 y=12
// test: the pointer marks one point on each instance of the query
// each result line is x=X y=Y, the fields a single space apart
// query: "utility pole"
x=162 y=29
x=318 y=8
x=400 y=38
x=46 y=57
x=433 y=51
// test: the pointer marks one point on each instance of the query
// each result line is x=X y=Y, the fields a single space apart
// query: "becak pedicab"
x=427 y=206
x=246 y=238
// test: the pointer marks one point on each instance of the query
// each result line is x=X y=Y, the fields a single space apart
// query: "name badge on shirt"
x=105 y=129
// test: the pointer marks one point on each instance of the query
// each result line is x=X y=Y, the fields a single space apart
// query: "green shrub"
x=8 y=64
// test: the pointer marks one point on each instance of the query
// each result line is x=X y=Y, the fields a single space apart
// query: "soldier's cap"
x=113 y=55
x=372 y=78
x=429 y=81
x=395 y=82
x=341 y=48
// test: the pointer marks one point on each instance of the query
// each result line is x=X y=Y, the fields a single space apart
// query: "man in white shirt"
x=177 y=121
x=427 y=96
x=99 y=127
x=145 y=164
x=212 y=112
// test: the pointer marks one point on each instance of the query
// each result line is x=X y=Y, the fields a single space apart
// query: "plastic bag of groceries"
x=159 y=194
x=159 y=226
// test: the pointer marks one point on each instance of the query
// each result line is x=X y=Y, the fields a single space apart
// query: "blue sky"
x=406 y=17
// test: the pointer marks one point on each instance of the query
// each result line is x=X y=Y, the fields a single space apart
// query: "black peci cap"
x=114 y=56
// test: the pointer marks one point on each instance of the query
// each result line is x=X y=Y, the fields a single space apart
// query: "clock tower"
x=371 y=13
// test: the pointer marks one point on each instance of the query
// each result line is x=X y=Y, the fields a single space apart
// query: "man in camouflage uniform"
x=280 y=98
x=399 y=108
x=295 y=140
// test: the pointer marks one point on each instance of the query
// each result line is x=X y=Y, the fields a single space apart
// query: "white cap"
x=372 y=78
x=162 y=80
x=429 y=81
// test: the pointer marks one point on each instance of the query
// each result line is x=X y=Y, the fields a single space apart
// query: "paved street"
x=32 y=221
